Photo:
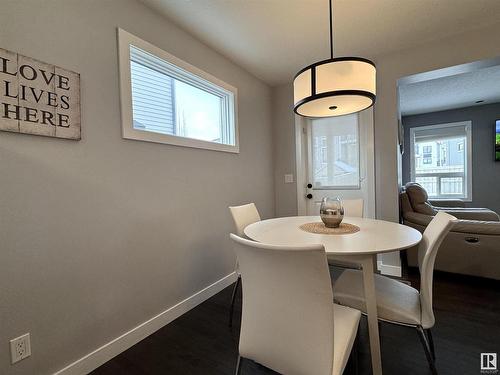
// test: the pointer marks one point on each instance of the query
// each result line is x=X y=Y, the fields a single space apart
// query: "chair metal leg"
x=425 y=344
x=356 y=355
x=431 y=343
x=238 y=366
x=233 y=297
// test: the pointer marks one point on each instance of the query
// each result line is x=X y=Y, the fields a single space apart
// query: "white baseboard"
x=387 y=269
x=103 y=354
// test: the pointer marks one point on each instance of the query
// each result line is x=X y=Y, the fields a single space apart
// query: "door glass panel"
x=335 y=152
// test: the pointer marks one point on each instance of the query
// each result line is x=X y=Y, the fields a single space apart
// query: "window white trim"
x=125 y=40
x=468 y=163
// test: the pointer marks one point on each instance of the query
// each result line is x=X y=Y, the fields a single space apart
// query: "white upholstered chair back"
x=353 y=207
x=243 y=216
x=432 y=238
x=287 y=316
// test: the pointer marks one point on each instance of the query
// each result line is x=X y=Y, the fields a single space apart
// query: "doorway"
x=336 y=159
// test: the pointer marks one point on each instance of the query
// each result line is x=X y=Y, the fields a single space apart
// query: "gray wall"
x=485 y=171
x=100 y=235
x=284 y=150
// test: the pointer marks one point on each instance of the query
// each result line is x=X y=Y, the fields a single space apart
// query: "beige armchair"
x=473 y=245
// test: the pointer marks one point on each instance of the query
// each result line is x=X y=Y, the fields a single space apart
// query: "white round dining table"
x=374 y=237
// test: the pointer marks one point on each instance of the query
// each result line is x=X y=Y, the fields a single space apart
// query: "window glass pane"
x=152 y=99
x=429 y=184
x=335 y=152
x=198 y=113
x=440 y=160
x=452 y=185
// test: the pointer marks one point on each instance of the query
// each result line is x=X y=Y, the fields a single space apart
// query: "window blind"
x=440 y=133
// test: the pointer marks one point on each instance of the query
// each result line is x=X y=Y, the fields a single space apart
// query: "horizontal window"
x=441 y=159
x=166 y=100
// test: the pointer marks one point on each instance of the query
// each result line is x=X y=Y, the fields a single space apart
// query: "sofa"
x=473 y=245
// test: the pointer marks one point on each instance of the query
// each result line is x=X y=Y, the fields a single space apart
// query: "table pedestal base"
x=366 y=262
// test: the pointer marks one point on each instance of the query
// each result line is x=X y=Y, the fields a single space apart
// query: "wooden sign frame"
x=38 y=98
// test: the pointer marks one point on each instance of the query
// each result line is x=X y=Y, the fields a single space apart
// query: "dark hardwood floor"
x=200 y=342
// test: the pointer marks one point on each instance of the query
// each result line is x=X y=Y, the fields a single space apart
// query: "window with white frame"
x=167 y=100
x=335 y=152
x=441 y=159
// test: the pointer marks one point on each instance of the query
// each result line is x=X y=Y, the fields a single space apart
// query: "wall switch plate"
x=289 y=179
x=20 y=348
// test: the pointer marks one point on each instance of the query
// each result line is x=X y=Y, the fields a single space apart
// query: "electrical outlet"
x=20 y=348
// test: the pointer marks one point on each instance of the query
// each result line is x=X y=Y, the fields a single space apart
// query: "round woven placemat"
x=320 y=228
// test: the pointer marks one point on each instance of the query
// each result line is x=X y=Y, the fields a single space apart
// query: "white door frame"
x=301 y=163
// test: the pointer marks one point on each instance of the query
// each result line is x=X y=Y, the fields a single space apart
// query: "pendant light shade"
x=336 y=86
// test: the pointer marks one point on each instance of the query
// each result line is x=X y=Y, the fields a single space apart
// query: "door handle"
x=309 y=195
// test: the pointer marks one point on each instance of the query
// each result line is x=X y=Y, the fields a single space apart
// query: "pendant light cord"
x=331 y=31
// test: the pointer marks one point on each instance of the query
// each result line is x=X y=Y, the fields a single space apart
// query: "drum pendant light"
x=336 y=86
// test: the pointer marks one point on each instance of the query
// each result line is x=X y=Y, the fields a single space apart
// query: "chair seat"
x=332 y=261
x=345 y=323
x=396 y=301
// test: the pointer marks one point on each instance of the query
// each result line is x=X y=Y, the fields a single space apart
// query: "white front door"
x=339 y=160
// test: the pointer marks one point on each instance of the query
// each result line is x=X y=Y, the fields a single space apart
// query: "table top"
x=374 y=236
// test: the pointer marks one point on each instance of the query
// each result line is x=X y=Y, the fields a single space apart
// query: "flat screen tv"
x=497 y=141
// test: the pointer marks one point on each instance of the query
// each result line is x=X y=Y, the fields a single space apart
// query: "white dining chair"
x=397 y=302
x=353 y=207
x=243 y=216
x=289 y=321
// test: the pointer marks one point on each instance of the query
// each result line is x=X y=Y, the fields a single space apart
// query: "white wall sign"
x=38 y=98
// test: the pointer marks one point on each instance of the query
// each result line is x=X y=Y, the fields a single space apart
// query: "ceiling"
x=457 y=91
x=273 y=39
